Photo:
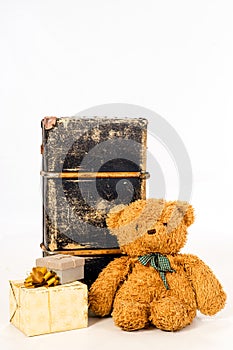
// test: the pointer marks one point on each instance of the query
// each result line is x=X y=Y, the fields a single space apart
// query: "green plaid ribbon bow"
x=160 y=263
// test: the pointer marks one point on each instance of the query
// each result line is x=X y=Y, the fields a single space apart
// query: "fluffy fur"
x=135 y=294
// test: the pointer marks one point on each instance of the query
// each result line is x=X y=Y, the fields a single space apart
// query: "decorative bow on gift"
x=40 y=276
x=160 y=263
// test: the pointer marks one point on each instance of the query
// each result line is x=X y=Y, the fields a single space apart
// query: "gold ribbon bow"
x=41 y=276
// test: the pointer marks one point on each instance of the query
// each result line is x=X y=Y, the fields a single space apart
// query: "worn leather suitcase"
x=89 y=165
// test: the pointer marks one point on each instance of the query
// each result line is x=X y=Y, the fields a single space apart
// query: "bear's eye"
x=165 y=224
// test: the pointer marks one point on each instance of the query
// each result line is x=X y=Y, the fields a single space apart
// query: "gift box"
x=44 y=310
x=67 y=267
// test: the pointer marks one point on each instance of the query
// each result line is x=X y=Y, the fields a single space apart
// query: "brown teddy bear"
x=153 y=283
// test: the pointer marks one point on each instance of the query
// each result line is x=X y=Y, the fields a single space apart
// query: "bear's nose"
x=151 y=232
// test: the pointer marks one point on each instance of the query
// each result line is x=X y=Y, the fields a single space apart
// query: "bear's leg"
x=171 y=314
x=130 y=315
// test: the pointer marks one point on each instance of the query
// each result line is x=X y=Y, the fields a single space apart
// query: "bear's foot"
x=130 y=315
x=171 y=314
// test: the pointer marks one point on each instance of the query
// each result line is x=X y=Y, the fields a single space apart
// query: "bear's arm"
x=210 y=296
x=103 y=290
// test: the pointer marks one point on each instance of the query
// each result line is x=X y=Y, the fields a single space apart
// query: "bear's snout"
x=151 y=232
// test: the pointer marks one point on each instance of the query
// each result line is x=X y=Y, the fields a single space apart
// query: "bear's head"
x=151 y=226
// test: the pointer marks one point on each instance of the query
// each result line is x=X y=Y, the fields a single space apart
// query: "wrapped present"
x=44 y=310
x=67 y=267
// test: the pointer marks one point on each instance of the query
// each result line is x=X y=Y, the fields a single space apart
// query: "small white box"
x=69 y=268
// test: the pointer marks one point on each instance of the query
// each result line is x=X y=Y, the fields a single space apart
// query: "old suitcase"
x=89 y=165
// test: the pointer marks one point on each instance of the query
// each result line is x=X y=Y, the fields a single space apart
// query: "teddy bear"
x=152 y=283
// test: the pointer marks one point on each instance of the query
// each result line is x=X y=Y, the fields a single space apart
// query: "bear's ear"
x=113 y=216
x=187 y=211
x=189 y=216
x=122 y=215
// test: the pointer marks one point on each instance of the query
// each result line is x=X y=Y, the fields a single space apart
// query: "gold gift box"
x=46 y=310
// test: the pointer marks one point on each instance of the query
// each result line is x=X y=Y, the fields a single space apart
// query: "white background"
x=173 y=57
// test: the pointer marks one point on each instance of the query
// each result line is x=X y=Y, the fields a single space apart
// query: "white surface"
x=174 y=57
x=207 y=333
